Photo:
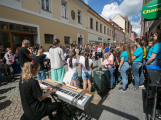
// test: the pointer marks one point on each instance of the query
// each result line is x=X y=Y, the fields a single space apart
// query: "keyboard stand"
x=65 y=105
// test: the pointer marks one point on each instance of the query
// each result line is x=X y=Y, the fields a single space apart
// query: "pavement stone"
x=112 y=105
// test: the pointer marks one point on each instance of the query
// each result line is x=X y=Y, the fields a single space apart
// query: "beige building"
x=41 y=21
x=124 y=23
x=99 y=29
x=149 y=27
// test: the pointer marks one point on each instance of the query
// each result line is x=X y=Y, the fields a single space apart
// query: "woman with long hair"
x=57 y=61
x=72 y=67
x=112 y=67
x=36 y=105
x=137 y=62
x=86 y=64
x=155 y=58
x=117 y=74
x=124 y=66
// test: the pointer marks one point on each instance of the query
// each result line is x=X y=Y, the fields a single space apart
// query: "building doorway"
x=18 y=38
x=80 y=41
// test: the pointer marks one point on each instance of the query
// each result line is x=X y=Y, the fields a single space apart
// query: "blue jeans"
x=117 y=75
x=156 y=62
x=112 y=76
x=86 y=75
x=142 y=73
x=136 y=69
x=124 y=73
x=41 y=75
x=75 y=76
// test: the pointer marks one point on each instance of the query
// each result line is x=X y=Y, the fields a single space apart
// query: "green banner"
x=152 y=10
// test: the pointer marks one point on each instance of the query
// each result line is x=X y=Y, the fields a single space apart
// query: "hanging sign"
x=152 y=10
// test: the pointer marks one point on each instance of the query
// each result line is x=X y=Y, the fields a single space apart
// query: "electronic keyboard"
x=76 y=97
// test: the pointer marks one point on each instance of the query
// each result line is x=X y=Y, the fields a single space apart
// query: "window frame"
x=92 y=23
x=69 y=40
x=78 y=10
x=53 y=37
x=100 y=28
x=66 y=9
x=44 y=7
x=104 y=29
x=108 y=31
x=96 y=25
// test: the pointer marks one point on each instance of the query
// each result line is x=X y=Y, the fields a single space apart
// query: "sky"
x=109 y=8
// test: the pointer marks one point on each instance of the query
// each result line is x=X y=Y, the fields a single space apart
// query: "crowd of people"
x=124 y=63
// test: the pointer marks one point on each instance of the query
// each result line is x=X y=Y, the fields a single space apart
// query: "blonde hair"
x=106 y=56
x=27 y=72
x=40 y=50
x=8 y=49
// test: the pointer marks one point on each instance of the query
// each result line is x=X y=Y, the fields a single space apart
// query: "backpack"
x=13 y=60
x=4 y=59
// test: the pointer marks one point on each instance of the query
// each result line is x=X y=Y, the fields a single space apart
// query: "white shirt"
x=99 y=49
x=82 y=62
x=74 y=63
x=56 y=57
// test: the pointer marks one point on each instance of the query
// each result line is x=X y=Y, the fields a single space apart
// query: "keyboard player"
x=35 y=104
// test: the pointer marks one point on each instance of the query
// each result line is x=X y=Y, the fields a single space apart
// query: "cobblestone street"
x=10 y=102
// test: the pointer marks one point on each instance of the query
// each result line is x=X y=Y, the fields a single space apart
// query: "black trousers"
x=11 y=70
x=51 y=107
x=96 y=56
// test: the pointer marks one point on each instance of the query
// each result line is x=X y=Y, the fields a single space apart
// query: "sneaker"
x=141 y=85
x=121 y=89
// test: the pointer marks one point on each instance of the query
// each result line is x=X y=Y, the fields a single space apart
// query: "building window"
x=79 y=16
x=49 y=38
x=45 y=5
x=104 y=30
x=97 y=26
x=3 y=26
x=110 y=32
x=107 y=31
x=91 y=23
x=64 y=9
x=66 y=40
x=101 y=28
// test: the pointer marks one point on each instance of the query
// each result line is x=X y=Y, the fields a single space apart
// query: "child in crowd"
x=40 y=58
x=93 y=55
x=72 y=67
x=9 y=58
x=149 y=49
x=105 y=62
x=137 y=62
x=124 y=66
x=86 y=65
